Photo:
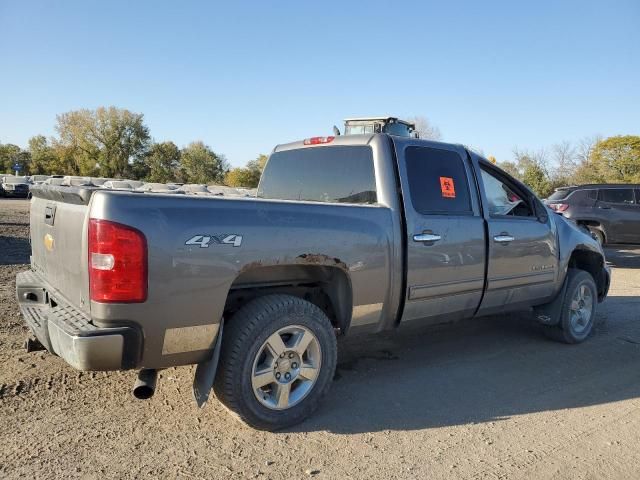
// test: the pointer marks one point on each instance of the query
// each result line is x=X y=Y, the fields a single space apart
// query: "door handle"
x=605 y=207
x=503 y=238
x=426 y=237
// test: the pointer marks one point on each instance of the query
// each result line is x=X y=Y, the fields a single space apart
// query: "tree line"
x=115 y=143
x=591 y=160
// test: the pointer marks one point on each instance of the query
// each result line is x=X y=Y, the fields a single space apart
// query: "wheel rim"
x=286 y=367
x=581 y=309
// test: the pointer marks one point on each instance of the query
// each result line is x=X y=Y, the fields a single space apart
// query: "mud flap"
x=549 y=313
x=206 y=373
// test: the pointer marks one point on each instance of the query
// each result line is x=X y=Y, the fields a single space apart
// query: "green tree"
x=613 y=160
x=537 y=179
x=200 y=164
x=241 y=177
x=259 y=163
x=12 y=154
x=163 y=161
x=105 y=141
x=249 y=176
x=43 y=156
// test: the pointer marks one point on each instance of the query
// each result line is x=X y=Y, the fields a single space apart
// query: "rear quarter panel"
x=188 y=284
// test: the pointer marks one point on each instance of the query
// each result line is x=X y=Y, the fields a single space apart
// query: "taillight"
x=318 y=140
x=117 y=263
x=558 y=207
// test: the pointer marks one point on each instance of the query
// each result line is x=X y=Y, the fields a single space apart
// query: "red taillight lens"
x=117 y=263
x=558 y=207
x=318 y=140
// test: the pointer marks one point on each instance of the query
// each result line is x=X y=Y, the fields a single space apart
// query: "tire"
x=251 y=355
x=578 y=310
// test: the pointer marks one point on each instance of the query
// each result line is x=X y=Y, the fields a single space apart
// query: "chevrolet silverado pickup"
x=346 y=234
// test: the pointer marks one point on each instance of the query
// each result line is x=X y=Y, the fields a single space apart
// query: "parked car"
x=38 y=179
x=357 y=233
x=610 y=211
x=12 y=186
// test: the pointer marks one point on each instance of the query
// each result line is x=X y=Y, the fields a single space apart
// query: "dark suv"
x=610 y=211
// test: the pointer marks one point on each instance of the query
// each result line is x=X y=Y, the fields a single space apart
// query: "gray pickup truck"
x=353 y=233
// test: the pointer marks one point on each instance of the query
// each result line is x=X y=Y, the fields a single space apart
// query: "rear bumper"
x=69 y=333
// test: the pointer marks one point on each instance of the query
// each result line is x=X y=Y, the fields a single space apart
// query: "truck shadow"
x=482 y=370
x=623 y=256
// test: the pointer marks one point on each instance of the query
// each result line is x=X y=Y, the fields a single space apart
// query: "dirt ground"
x=489 y=398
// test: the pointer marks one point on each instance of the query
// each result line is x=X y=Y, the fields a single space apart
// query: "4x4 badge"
x=203 y=241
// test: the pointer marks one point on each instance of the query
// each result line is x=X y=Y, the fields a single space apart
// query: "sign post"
x=17 y=167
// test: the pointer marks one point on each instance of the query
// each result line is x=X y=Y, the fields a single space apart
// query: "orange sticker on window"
x=447 y=187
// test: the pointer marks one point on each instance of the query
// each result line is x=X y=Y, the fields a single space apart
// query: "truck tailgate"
x=58 y=242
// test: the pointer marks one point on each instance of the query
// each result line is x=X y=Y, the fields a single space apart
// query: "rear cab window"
x=332 y=174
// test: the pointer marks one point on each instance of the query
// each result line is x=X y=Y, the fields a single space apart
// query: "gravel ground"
x=489 y=398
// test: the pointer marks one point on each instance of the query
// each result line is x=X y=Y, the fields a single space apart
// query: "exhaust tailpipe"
x=145 y=386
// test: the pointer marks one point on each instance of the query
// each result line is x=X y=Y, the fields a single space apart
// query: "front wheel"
x=277 y=362
x=578 y=309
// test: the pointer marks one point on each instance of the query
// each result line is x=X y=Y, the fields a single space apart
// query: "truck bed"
x=189 y=282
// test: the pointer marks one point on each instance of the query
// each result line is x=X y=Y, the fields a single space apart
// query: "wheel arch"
x=327 y=286
x=591 y=262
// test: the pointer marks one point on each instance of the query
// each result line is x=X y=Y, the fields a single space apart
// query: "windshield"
x=342 y=174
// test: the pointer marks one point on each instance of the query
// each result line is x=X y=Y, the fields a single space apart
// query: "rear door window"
x=437 y=181
x=341 y=174
x=617 y=195
x=638 y=196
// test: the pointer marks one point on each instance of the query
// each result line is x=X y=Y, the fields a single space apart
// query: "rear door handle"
x=426 y=237
x=503 y=238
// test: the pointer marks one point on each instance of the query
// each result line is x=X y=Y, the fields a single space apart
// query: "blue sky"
x=244 y=76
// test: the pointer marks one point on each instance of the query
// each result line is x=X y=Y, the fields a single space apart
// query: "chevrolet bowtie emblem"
x=48 y=242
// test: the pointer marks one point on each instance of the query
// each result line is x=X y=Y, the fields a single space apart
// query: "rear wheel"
x=277 y=361
x=578 y=309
